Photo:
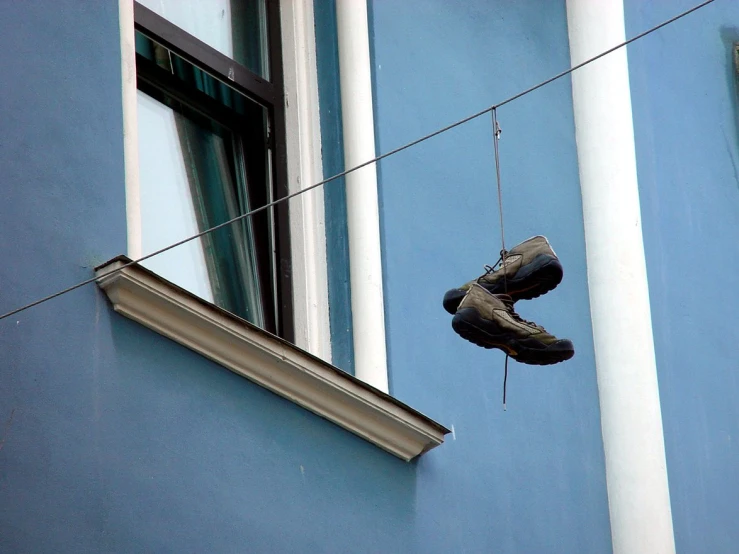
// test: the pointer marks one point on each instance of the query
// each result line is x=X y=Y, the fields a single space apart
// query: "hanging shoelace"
x=493 y=268
x=503 y=252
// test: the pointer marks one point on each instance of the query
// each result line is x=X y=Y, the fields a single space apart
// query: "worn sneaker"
x=488 y=320
x=531 y=269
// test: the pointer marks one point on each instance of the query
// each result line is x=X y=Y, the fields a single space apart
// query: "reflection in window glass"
x=167 y=211
x=236 y=28
x=193 y=177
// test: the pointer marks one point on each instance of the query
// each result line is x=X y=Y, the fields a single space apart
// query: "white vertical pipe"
x=130 y=128
x=631 y=420
x=365 y=262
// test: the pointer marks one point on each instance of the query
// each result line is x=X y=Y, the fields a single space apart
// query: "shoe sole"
x=540 y=276
x=469 y=325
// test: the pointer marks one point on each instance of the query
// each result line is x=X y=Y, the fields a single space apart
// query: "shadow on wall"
x=730 y=38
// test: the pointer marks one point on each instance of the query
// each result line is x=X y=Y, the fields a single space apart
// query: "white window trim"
x=304 y=168
x=130 y=128
x=277 y=365
x=303 y=142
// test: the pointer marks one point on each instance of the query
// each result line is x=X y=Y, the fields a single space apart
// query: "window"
x=211 y=147
x=211 y=119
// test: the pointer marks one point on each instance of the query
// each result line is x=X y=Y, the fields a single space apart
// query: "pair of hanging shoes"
x=483 y=308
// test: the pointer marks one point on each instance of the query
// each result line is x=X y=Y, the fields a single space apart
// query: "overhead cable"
x=368 y=162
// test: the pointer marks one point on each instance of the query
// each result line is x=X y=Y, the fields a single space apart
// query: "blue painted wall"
x=530 y=479
x=114 y=439
x=684 y=95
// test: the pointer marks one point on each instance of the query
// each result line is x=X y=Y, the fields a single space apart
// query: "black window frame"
x=267 y=93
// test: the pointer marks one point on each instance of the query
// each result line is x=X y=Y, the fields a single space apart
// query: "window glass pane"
x=236 y=28
x=167 y=210
x=193 y=176
x=151 y=54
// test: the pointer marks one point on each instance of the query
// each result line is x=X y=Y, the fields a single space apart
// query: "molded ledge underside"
x=267 y=360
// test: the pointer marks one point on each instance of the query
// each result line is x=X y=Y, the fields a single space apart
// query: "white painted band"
x=130 y=129
x=365 y=262
x=636 y=473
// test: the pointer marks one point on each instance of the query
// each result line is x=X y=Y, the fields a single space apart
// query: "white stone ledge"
x=267 y=360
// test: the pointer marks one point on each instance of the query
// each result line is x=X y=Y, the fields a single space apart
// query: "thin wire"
x=599 y=56
x=505 y=381
x=360 y=166
x=503 y=253
x=497 y=131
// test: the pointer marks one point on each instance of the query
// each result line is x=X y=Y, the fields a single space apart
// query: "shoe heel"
x=548 y=276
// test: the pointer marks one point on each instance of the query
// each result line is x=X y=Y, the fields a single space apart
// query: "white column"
x=631 y=420
x=130 y=129
x=365 y=262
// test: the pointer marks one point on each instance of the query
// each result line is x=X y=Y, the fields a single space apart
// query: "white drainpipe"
x=365 y=262
x=631 y=420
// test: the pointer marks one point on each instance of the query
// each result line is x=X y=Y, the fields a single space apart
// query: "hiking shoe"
x=530 y=269
x=488 y=320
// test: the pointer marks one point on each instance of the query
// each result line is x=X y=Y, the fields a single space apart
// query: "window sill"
x=267 y=360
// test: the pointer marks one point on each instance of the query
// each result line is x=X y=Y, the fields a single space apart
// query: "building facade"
x=137 y=417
